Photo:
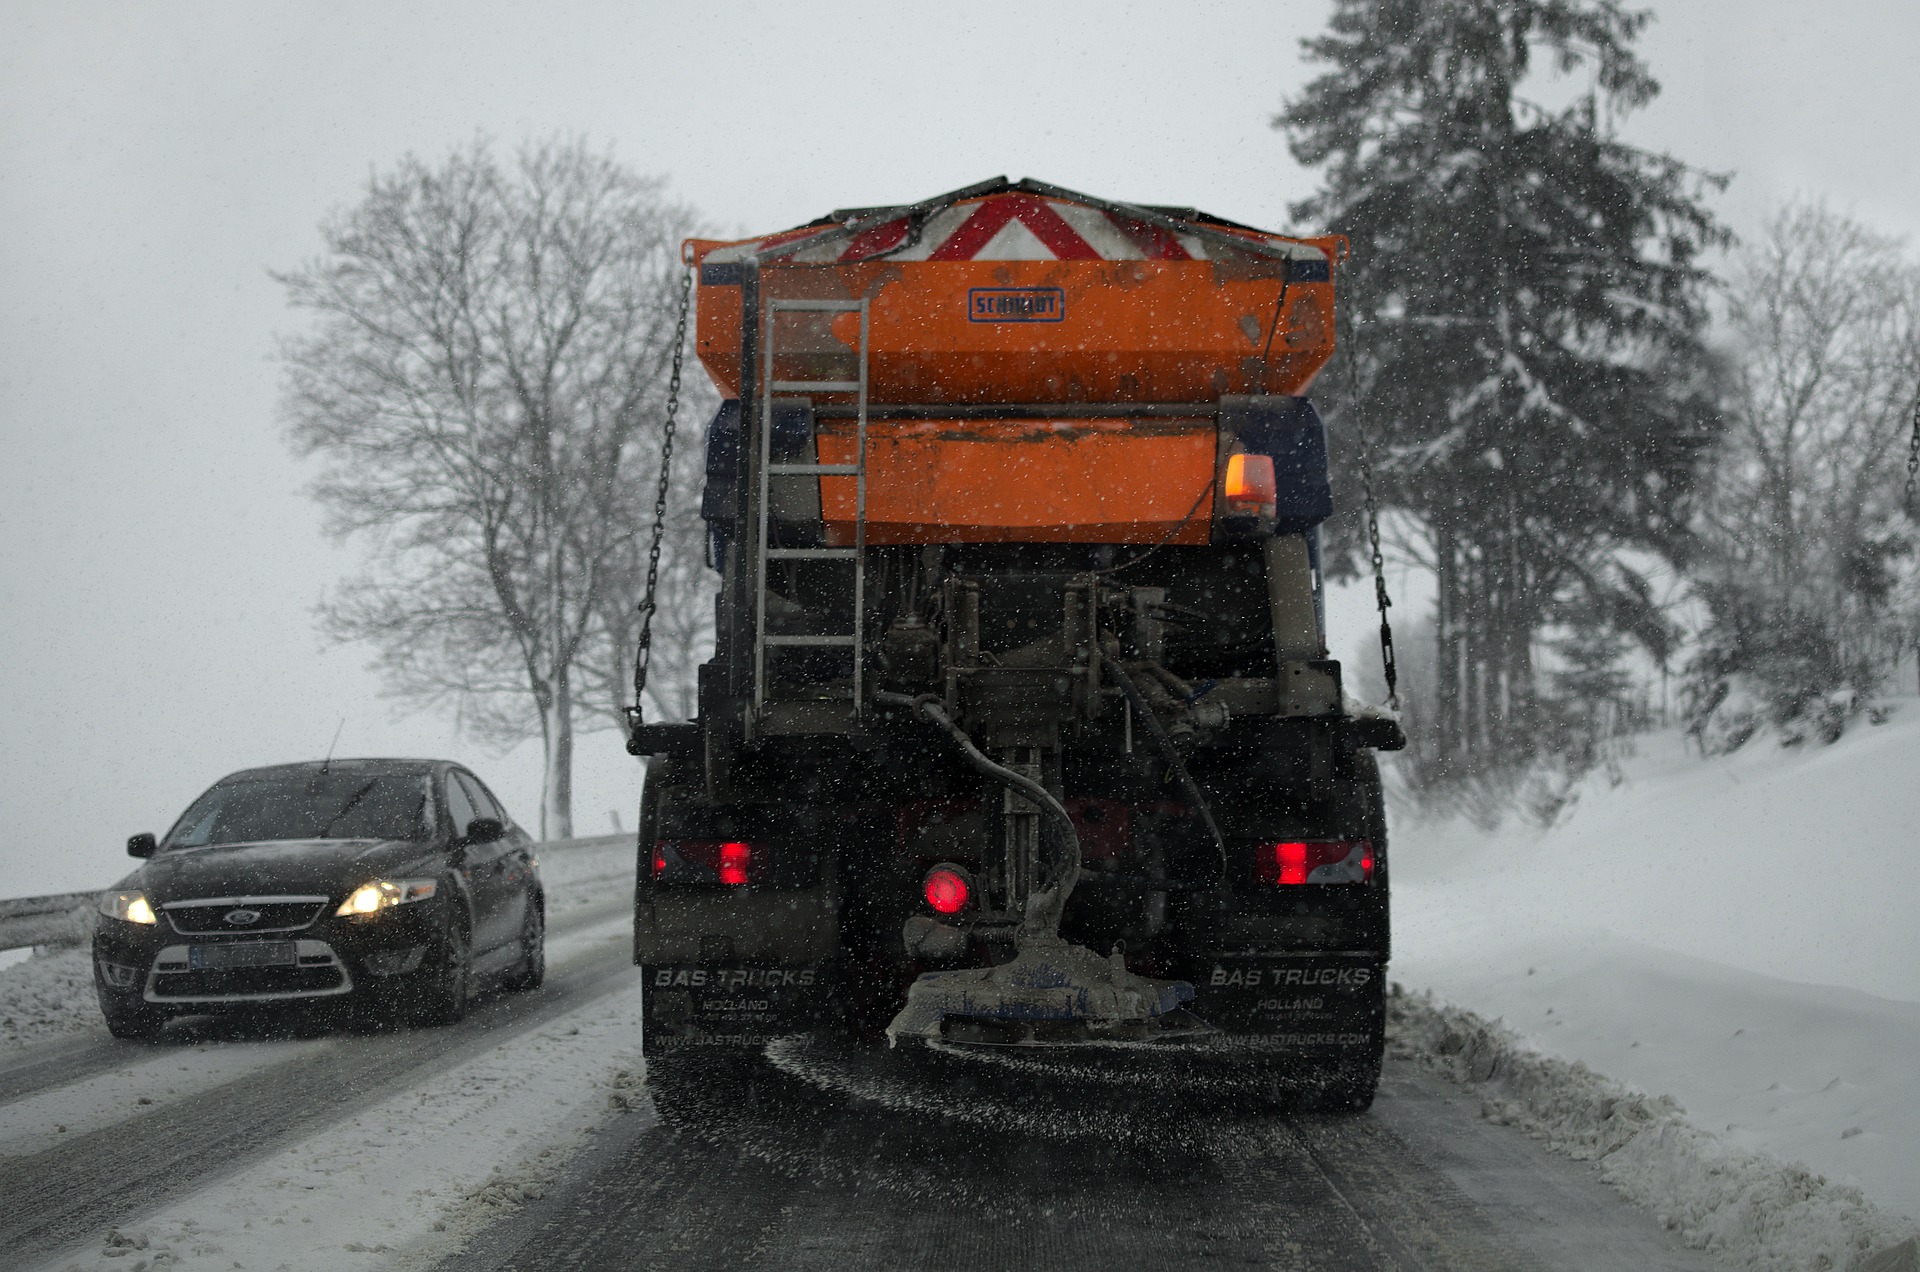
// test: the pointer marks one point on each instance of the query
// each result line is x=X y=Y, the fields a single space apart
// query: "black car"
x=392 y=885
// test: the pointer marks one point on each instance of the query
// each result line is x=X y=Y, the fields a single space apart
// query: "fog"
x=159 y=561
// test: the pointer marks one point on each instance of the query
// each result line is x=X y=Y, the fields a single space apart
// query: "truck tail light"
x=1249 y=485
x=947 y=889
x=1314 y=861
x=730 y=862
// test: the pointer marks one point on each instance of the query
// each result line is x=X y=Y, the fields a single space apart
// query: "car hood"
x=313 y=867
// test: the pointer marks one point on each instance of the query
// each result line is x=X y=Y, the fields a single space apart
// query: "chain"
x=1387 y=662
x=1389 y=666
x=1913 y=461
x=643 y=654
x=1913 y=477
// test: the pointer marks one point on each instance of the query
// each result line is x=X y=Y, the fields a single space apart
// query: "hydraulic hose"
x=1046 y=906
x=1172 y=755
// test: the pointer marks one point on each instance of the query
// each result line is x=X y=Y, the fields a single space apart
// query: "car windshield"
x=341 y=805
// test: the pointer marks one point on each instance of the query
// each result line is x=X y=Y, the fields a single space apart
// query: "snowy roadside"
x=1734 y=935
x=47 y=996
x=1815 y=1074
x=583 y=872
x=50 y=995
x=1748 y=1208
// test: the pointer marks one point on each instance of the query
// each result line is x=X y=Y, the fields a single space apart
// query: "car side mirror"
x=142 y=845
x=485 y=830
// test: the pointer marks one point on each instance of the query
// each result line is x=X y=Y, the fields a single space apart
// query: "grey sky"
x=158 y=561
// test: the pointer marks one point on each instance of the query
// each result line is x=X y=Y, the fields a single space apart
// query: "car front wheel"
x=442 y=994
x=133 y=1021
x=532 y=968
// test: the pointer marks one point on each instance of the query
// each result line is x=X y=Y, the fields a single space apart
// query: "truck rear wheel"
x=1298 y=970
x=1351 y=1091
x=708 y=1087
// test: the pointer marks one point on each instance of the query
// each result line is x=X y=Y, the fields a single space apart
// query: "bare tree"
x=484 y=382
x=1806 y=546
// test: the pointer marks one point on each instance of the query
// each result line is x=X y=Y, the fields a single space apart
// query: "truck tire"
x=1350 y=1091
x=1345 y=1082
x=706 y=1088
x=1352 y=1088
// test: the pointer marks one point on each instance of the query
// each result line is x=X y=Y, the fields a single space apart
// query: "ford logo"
x=242 y=918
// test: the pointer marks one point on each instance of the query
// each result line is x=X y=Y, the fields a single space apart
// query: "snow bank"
x=1814 y=1074
x=583 y=872
x=1736 y=934
x=46 y=996
x=1748 y=1208
x=1798 y=863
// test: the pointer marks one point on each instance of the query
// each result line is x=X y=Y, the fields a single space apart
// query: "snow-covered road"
x=832 y=1158
x=524 y=1138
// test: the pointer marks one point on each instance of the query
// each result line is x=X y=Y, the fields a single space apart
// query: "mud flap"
x=1316 y=1005
x=733 y=1005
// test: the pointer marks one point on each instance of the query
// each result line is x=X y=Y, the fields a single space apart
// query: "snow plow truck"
x=1020 y=729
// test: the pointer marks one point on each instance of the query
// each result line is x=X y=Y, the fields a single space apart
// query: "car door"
x=518 y=856
x=496 y=894
x=474 y=862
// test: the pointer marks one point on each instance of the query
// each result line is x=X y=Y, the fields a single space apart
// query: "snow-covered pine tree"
x=1524 y=321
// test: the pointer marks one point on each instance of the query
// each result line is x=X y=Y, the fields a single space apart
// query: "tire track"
x=756 y=1171
x=70 y=1060
x=754 y=1168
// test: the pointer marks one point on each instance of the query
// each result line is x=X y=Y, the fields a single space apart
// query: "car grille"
x=247 y=982
x=210 y=916
x=312 y=969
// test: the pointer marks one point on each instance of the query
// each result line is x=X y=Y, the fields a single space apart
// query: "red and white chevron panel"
x=1015 y=226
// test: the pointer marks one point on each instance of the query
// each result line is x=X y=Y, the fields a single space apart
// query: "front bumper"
x=327 y=958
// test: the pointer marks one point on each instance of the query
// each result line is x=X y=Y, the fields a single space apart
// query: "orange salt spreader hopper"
x=1042 y=365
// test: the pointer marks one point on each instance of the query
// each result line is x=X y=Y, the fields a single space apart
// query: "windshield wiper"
x=346 y=807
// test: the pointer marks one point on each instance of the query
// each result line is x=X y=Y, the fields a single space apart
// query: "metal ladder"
x=857 y=554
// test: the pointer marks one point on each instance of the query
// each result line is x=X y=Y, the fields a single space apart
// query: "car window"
x=340 y=805
x=483 y=801
x=459 y=804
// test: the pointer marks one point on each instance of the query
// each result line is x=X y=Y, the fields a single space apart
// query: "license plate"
x=250 y=954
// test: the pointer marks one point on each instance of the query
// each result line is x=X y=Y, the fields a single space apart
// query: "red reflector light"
x=947 y=889
x=727 y=862
x=1314 y=861
x=1290 y=863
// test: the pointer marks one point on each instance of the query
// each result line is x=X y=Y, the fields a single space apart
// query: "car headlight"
x=384 y=894
x=128 y=907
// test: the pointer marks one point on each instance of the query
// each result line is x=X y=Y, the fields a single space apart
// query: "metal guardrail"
x=63 y=919
x=66 y=918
